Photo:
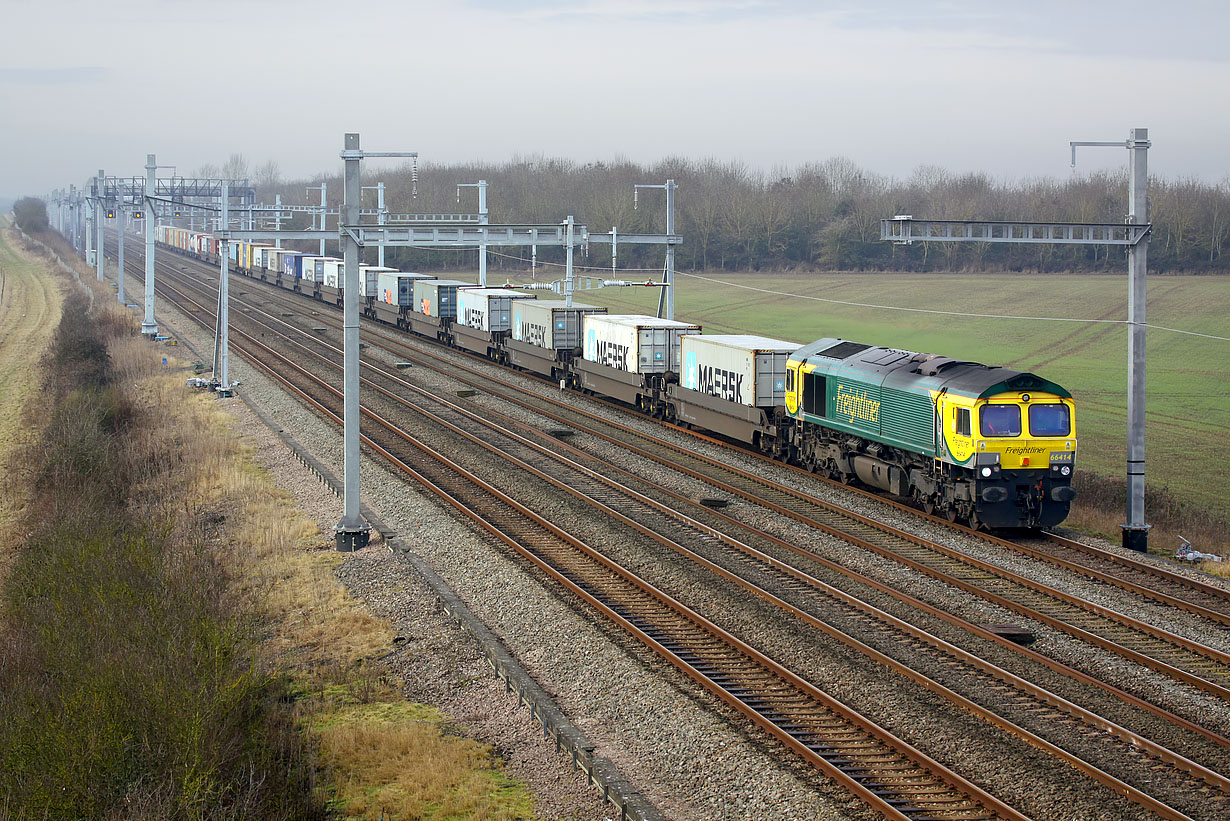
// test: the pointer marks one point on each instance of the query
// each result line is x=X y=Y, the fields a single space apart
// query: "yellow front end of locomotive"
x=1026 y=431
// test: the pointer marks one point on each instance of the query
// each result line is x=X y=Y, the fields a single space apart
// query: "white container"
x=313 y=268
x=488 y=309
x=636 y=344
x=369 y=279
x=550 y=323
x=397 y=287
x=334 y=273
x=750 y=370
x=260 y=257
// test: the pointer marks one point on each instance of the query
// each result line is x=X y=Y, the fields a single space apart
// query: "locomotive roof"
x=900 y=368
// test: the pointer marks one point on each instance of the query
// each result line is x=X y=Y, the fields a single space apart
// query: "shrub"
x=31 y=215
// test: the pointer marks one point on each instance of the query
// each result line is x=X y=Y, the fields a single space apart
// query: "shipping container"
x=438 y=297
x=292 y=265
x=488 y=309
x=636 y=344
x=369 y=279
x=750 y=370
x=333 y=272
x=550 y=323
x=397 y=287
x=257 y=263
x=313 y=268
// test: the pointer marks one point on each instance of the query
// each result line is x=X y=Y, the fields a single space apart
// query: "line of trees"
x=822 y=215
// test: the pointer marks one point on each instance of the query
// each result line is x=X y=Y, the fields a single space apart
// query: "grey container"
x=438 y=297
x=397 y=287
x=550 y=323
x=749 y=370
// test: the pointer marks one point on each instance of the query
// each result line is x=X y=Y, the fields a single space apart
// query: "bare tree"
x=235 y=168
x=268 y=175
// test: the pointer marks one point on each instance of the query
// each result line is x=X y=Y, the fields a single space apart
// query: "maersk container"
x=550 y=323
x=636 y=344
x=750 y=370
x=438 y=297
x=488 y=309
x=397 y=287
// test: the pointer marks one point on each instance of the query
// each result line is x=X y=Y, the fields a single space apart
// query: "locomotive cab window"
x=1000 y=420
x=813 y=394
x=1050 y=419
x=960 y=418
x=790 y=380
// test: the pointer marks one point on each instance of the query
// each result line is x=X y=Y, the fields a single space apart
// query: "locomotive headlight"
x=1065 y=470
x=986 y=472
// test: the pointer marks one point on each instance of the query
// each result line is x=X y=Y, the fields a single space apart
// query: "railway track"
x=891 y=776
x=1173 y=655
x=1023 y=697
x=1139 y=577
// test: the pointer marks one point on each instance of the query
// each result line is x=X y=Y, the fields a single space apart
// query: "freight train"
x=989 y=446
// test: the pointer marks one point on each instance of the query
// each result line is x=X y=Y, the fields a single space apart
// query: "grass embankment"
x=1188 y=413
x=173 y=640
x=29 y=311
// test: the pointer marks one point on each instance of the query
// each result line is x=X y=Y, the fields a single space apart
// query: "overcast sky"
x=969 y=86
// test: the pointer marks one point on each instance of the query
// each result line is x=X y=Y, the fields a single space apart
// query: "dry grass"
x=189 y=620
x=1099 y=510
x=397 y=761
x=30 y=301
x=379 y=756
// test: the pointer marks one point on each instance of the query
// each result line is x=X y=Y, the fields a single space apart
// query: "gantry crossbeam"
x=907 y=230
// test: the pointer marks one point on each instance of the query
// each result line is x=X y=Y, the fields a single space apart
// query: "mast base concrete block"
x=348 y=541
x=1136 y=538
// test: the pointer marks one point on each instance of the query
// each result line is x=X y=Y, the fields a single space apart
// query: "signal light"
x=110 y=213
x=138 y=215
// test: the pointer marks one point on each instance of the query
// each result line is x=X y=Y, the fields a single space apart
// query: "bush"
x=31 y=215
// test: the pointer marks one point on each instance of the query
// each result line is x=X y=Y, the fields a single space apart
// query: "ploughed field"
x=1188 y=419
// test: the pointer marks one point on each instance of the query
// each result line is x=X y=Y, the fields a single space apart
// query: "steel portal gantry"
x=351 y=532
x=1133 y=233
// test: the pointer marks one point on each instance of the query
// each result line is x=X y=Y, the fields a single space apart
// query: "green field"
x=1188 y=421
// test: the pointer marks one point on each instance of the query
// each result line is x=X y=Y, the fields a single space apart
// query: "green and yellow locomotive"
x=992 y=446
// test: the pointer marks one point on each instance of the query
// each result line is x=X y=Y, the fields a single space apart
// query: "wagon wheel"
x=928 y=505
x=951 y=514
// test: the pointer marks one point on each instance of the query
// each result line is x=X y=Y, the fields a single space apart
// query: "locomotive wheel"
x=928 y=506
x=951 y=514
x=975 y=523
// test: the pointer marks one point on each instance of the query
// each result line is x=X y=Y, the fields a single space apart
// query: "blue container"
x=292 y=265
